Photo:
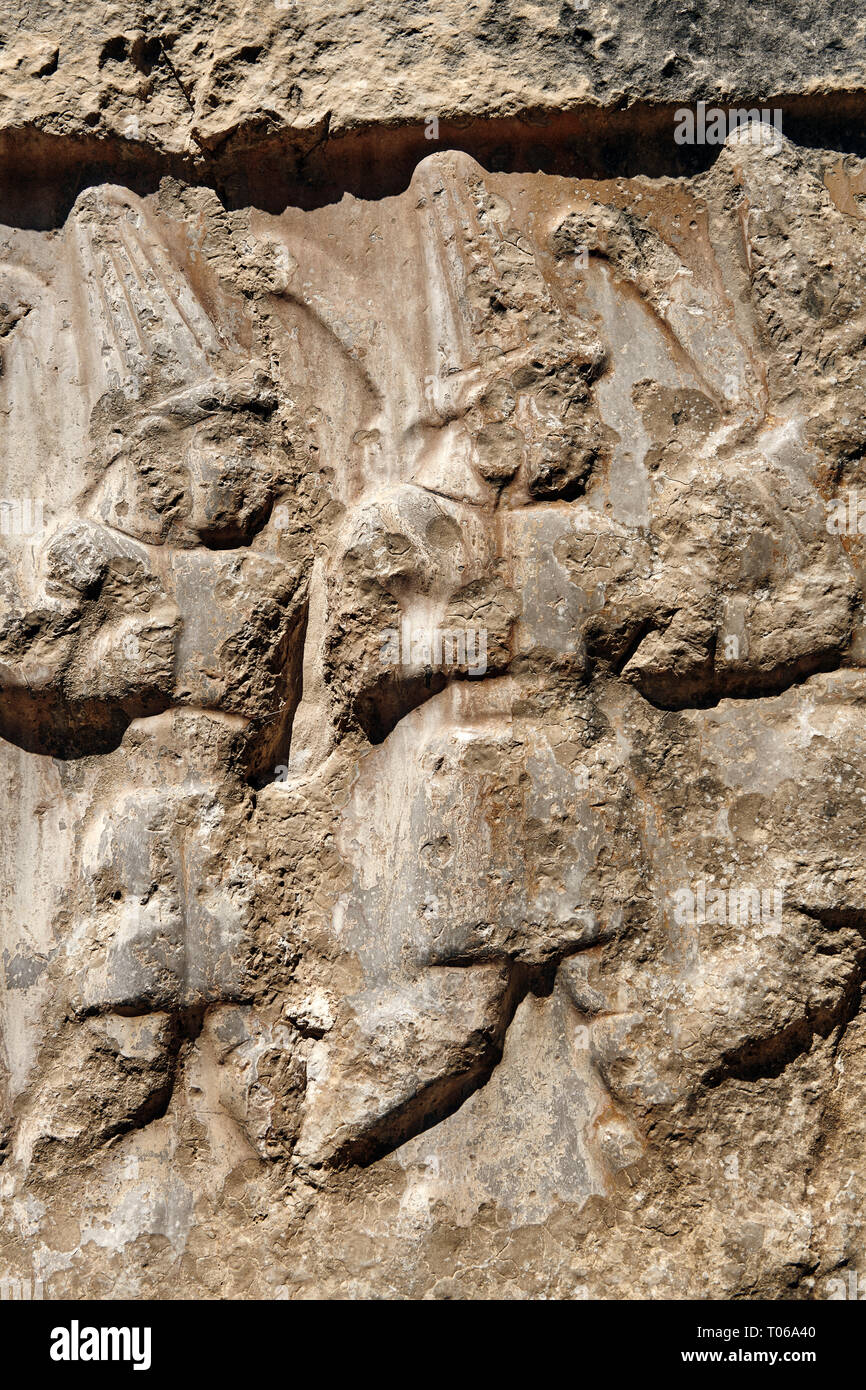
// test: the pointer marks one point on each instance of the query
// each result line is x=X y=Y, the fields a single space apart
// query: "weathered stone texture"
x=191 y=71
x=523 y=958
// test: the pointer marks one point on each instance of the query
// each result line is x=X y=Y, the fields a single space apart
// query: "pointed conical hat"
x=147 y=328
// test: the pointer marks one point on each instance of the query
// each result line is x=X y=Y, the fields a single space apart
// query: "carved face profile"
x=202 y=468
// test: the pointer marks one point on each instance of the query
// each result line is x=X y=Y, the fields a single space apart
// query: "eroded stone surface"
x=189 y=75
x=525 y=970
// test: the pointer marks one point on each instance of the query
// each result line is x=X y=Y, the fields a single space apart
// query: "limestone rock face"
x=187 y=75
x=432 y=664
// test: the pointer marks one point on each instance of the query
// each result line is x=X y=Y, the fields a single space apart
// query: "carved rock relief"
x=288 y=917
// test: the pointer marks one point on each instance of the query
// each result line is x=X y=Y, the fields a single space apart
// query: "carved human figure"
x=158 y=639
x=569 y=474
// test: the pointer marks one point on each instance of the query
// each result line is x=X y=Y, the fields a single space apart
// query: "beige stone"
x=431 y=672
